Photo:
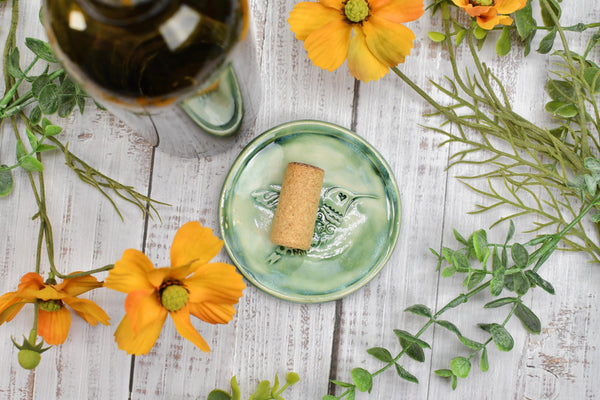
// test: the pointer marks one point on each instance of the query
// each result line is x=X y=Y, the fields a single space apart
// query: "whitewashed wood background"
x=267 y=335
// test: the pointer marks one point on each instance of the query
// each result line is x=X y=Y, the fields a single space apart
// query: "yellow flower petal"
x=185 y=328
x=49 y=293
x=337 y=4
x=217 y=283
x=399 y=11
x=76 y=286
x=389 y=42
x=505 y=20
x=509 y=6
x=489 y=20
x=307 y=17
x=328 y=46
x=54 y=326
x=11 y=310
x=157 y=276
x=362 y=63
x=130 y=272
x=88 y=310
x=212 y=313
x=142 y=342
x=143 y=308
x=193 y=243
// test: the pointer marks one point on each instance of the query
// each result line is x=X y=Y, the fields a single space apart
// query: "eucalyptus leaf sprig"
x=486 y=268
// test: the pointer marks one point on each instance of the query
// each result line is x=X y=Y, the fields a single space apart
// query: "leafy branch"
x=264 y=390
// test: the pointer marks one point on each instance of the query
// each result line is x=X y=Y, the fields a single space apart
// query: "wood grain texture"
x=267 y=335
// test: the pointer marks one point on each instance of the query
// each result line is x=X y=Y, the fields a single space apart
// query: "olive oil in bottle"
x=143 y=53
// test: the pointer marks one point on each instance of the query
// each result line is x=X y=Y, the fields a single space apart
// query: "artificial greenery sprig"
x=264 y=390
x=496 y=274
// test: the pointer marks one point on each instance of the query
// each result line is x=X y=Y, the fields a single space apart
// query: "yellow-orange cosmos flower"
x=490 y=13
x=190 y=286
x=369 y=33
x=54 y=320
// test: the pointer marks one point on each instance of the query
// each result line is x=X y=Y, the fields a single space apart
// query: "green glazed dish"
x=357 y=225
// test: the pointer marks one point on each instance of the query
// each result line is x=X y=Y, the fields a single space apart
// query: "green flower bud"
x=29 y=359
x=50 y=305
x=174 y=297
x=356 y=10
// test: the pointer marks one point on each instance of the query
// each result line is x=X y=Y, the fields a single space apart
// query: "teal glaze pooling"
x=362 y=240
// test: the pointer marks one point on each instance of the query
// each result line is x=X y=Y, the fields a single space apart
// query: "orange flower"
x=490 y=13
x=190 y=286
x=369 y=33
x=54 y=320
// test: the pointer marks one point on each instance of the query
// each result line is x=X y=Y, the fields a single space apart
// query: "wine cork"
x=296 y=213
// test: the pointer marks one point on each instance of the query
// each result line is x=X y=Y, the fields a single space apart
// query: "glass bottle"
x=162 y=65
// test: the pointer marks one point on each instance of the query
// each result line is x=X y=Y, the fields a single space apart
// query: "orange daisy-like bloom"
x=54 y=320
x=490 y=13
x=190 y=286
x=369 y=33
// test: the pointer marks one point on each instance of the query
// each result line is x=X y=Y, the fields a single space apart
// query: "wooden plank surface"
x=268 y=335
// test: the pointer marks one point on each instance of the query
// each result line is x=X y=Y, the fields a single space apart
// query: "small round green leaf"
x=362 y=379
x=444 y=373
x=381 y=354
x=420 y=309
x=218 y=395
x=292 y=378
x=479 y=32
x=31 y=164
x=530 y=321
x=448 y=271
x=519 y=255
x=48 y=100
x=502 y=339
x=35 y=116
x=41 y=49
x=460 y=366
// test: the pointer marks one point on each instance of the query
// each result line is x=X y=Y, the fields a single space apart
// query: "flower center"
x=50 y=305
x=356 y=10
x=482 y=2
x=174 y=297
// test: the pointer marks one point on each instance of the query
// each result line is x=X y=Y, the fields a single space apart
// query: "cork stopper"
x=296 y=213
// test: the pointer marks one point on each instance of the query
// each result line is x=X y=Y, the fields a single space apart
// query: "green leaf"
x=38 y=84
x=511 y=232
x=524 y=21
x=554 y=9
x=52 y=130
x=476 y=278
x=411 y=338
x=33 y=141
x=235 y=388
x=484 y=364
x=459 y=238
x=342 y=384
x=547 y=42
x=461 y=262
x=539 y=281
x=450 y=326
x=6 y=181
x=454 y=382
x=48 y=100
x=263 y=391
x=41 y=49
x=500 y=302
x=479 y=32
x=66 y=106
x=460 y=367
x=218 y=395
x=436 y=36
x=592 y=77
x=21 y=150
x=35 y=116
x=521 y=283
x=485 y=327
x=362 y=379
x=413 y=350
x=329 y=397
x=562 y=91
x=497 y=282
x=460 y=35
x=502 y=339
x=444 y=373
x=404 y=374
x=519 y=255
x=448 y=253
x=420 y=309
x=13 y=68
x=503 y=42
x=530 y=321
x=448 y=271
x=558 y=108
x=472 y=344
x=31 y=164
x=595 y=218
x=381 y=354
x=480 y=244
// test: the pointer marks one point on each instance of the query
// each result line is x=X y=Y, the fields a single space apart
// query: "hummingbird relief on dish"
x=336 y=217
